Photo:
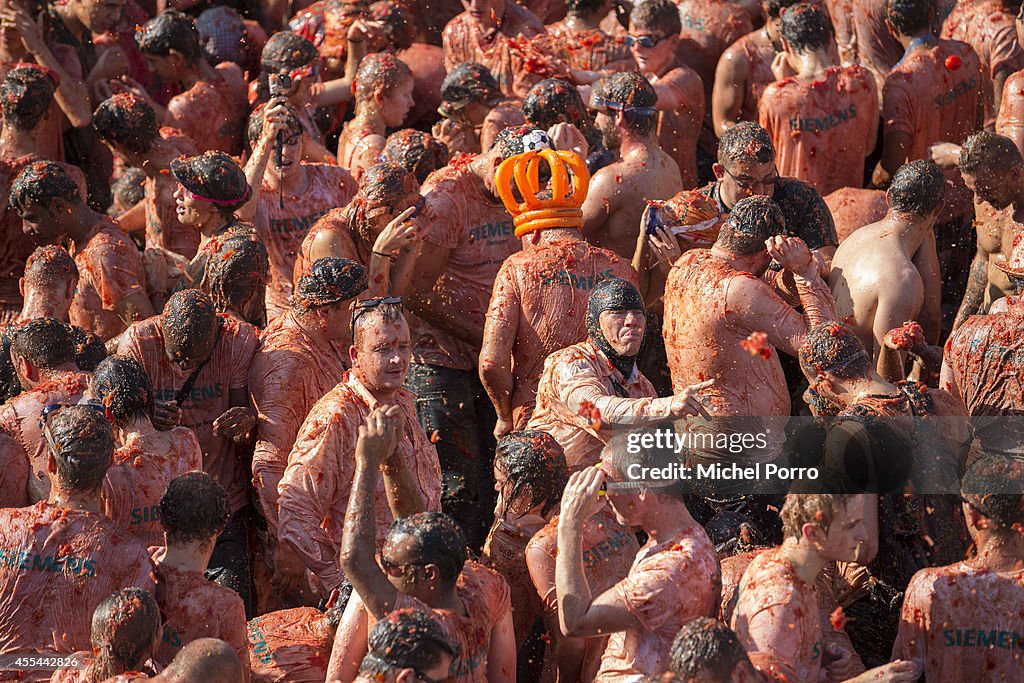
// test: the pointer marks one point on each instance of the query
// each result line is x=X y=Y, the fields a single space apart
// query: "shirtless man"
x=993 y=169
x=601 y=372
x=707 y=650
x=406 y=643
x=674 y=578
x=960 y=620
x=823 y=109
x=989 y=28
x=317 y=484
x=715 y=301
x=44 y=362
x=888 y=272
x=383 y=96
x=626 y=116
x=193 y=511
x=128 y=126
x=211 y=104
x=146 y=459
x=303 y=355
x=289 y=194
x=111 y=290
x=199 y=363
x=745 y=70
x=654 y=28
x=777 y=617
x=483 y=33
x=96 y=558
x=873 y=45
x=470 y=602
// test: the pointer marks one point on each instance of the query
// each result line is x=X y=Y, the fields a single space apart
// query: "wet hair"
x=773 y=8
x=745 y=142
x=236 y=272
x=806 y=27
x=190 y=319
x=708 y=646
x=50 y=266
x=917 y=188
x=122 y=385
x=751 y=221
x=127 y=121
x=811 y=508
x=623 y=454
x=40 y=183
x=43 y=342
x=380 y=73
x=286 y=51
x=987 y=151
x=583 y=8
x=397 y=23
x=222 y=35
x=170 y=30
x=833 y=348
x=380 y=185
x=509 y=142
x=206 y=659
x=89 y=349
x=657 y=15
x=437 y=540
x=535 y=466
x=406 y=639
x=26 y=94
x=417 y=152
x=130 y=186
x=385 y=313
x=631 y=89
x=124 y=627
x=254 y=128
x=85 y=439
x=910 y=16
x=330 y=280
x=470 y=82
x=193 y=508
x=993 y=485
x=10 y=385
x=551 y=99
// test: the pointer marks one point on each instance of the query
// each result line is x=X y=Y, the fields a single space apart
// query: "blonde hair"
x=811 y=508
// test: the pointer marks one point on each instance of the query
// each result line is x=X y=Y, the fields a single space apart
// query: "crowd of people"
x=474 y=340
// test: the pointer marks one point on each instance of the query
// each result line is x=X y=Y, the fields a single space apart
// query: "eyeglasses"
x=365 y=305
x=750 y=183
x=646 y=42
x=44 y=419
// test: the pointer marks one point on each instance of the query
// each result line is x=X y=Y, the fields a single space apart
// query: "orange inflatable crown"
x=569 y=181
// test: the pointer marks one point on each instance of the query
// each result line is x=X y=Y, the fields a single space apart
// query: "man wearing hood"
x=589 y=389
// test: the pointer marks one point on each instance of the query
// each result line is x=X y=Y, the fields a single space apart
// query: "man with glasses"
x=653 y=38
x=422 y=564
x=61 y=558
x=317 y=483
x=675 y=577
x=198 y=362
x=407 y=646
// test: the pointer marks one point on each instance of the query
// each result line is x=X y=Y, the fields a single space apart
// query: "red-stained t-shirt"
x=964 y=623
x=283 y=227
x=823 y=130
x=19 y=417
x=227 y=369
x=212 y=113
x=163 y=229
x=679 y=128
x=138 y=477
x=15 y=246
x=854 y=207
x=933 y=103
x=732 y=571
x=314 y=492
x=290 y=646
x=582 y=373
x=708 y=28
x=195 y=607
x=505 y=552
x=109 y=271
x=289 y=374
x=669 y=585
x=876 y=47
x=56 y=566
x=991 y=30
x=542 y=293
x=591 y=49
x=485 y=596
x=463 y=41
x=13 y=473
x=337 y=223
x=778 y=621
x=478 y=232
x=608 y=552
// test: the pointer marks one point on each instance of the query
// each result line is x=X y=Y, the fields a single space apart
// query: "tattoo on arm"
x=975 y=292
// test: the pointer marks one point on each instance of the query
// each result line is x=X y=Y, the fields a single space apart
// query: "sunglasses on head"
x=646 y=42
x=362 y=306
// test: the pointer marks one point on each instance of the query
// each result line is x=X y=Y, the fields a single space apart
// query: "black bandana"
x=614 y=294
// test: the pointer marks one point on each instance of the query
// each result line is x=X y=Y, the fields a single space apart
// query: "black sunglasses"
x=364 y=305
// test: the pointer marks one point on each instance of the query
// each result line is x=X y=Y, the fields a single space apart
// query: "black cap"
x=213 y=177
